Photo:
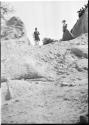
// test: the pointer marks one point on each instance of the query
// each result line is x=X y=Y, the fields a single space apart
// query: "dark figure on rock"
x=82 y=10
x=36 y=37
x=64 y=25
x=67 y=35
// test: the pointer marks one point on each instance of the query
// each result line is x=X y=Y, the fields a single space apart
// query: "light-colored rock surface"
x=14 y=29
x=48 y=84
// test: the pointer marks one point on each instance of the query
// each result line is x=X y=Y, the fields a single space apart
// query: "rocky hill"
x=47 y=84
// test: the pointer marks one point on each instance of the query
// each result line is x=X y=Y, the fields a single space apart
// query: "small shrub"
x=48 y=40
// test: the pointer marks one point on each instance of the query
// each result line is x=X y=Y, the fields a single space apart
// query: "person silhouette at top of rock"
x=86 y=6
x=80 y=12
x=83 y=10
x=64 y=25
x=36 y=36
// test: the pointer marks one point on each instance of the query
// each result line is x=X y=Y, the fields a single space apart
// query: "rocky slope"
x=47 y=84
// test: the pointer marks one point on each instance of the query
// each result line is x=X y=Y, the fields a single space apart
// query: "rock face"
x=13 y=29
x=81 y=25
x=80 y=51
x=47 y=84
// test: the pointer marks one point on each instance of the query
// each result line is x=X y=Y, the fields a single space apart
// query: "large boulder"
x=13 y=29
x=80 y=51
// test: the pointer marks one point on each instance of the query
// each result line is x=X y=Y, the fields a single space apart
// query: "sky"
x=47 y=16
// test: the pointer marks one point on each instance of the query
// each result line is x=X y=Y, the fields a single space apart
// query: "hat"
x=35 y=28
x=63 y=21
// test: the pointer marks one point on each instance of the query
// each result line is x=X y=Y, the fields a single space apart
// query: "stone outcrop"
x=14 y=29
x=81 y=25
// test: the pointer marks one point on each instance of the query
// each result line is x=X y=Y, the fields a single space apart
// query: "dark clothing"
x=36 y=36
x=82 y=11
x=67 y=35
x=64 y=27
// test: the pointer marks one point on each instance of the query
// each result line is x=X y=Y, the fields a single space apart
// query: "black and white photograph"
x=44 y=62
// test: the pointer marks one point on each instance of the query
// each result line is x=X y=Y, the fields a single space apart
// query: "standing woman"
x=64 y=25
x=67 y=35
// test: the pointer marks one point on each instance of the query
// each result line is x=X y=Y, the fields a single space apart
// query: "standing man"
x=36 y=37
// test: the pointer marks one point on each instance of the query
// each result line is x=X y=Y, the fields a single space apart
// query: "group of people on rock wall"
x=82 y=10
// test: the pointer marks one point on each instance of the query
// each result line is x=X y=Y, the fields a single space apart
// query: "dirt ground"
x=42 y=101
x=54 y=89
